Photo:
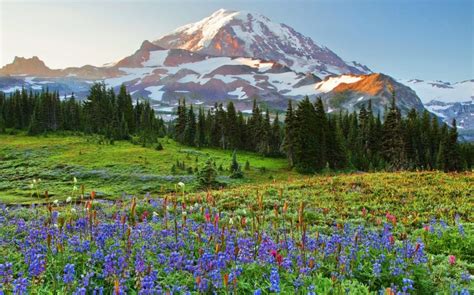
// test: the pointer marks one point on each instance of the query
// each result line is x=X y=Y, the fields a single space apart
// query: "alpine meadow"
x=234 y=154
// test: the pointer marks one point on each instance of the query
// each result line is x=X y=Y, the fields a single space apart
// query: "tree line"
x=103 y=112
x=310 y=138
x=315 y=140
x=226 y=128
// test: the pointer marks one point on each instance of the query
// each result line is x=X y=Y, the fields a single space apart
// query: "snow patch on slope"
x=239 y=93
x=441 y=91
x=332 y=82
x=155 y=92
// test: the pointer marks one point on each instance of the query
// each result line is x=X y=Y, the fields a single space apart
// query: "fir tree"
x=190 y=129
x=393 y=143
x=235 y=170
x=289 y=137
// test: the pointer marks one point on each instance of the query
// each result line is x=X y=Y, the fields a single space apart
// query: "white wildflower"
x=56 y=202
x=231 y=221
x=181 y=184
x=69 y=200
x=73 y=210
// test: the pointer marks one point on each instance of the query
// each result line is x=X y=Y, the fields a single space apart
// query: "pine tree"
x=181 y=121
x=201 y=127
x=393 y=143
x=289 y=138
x=231 y=127
x=322 y=127
x=442 y=156
x=207 y=175
x=264 y=133
x=235 y=170
x=190 y=130
x=306 y=144
x=275 y=140
x=336 y=153
x=125 y=107
x=453 y=161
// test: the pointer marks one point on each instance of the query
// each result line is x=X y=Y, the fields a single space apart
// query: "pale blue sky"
x=426 y=39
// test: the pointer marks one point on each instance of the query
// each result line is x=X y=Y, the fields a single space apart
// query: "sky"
x=424 y=39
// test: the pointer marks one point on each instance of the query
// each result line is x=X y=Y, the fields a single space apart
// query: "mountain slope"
x=241 y=33
x=352 y=92
x=442 y=91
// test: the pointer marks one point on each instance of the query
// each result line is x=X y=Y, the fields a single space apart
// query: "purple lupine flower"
x=80 y=291
x=69 y=273
x=274 y=280
x=376 y=269
x=20 y=285
x=465 y=276
x=6 y=273
x=407 y=285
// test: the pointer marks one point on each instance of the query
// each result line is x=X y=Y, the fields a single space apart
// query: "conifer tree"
x=190 y=129
x=181 y=121
x=201 y=129
x=289 y=137
x=306 y=147
x=231 y=127
x=393 y=143
x=275 y=140
x=453 y=162
x=235 y=169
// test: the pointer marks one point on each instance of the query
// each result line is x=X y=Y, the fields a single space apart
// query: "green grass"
x=112 y=169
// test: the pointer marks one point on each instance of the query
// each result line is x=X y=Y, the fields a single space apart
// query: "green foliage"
x=207 y=175
x=235 y=170
x=159 y=146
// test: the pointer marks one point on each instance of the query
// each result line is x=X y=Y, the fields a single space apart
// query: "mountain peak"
x=242 y=33
x=29 y=66
x=148 y=46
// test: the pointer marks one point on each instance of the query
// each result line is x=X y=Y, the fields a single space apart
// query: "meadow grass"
x=113 y=169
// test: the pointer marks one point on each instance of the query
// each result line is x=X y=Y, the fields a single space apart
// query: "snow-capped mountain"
x=165 y=75
x=245 y=34
x=239 y=56
x=442 y=91
x=448 y=101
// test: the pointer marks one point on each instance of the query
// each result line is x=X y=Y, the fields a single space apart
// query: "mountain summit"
x=245 y=34
x=21 y=65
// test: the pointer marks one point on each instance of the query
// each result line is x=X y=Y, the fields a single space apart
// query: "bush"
x=207 y=175
x=235 y=170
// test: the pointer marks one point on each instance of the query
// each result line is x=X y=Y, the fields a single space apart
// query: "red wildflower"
x=452 y=259
x=392 y=240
